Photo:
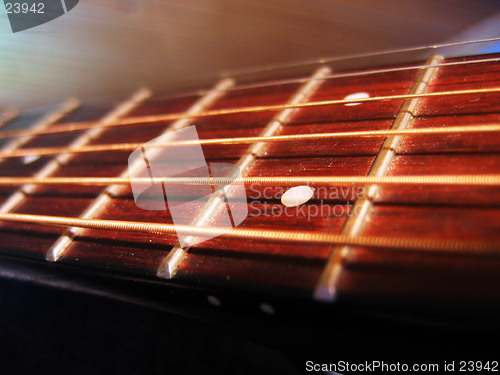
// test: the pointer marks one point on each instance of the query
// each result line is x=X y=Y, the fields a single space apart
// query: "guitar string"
x=278 y=82
x=254 y=70
x=248 y=140
x=472 y=247
x=44 y=151
x=139 y=120
x=273 y=181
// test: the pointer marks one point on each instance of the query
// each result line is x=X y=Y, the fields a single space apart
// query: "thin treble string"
x=254 y=70
x=358 y=74
x=273 y=181
x=472 y=247
x=69 y=127
x=43 y=151
x=332 y=76
x=287 y=81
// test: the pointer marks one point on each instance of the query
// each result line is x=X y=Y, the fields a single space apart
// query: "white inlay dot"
x=356 y=95
x=297 y=195
x=267 y=308
x=214 y=300
x=28 y=159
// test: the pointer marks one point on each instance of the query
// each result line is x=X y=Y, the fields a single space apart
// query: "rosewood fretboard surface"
x=277 y=269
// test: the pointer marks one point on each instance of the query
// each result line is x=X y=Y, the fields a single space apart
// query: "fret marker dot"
x=28 y=159
x=297 y=195
x=267 y=308
x=356 y=95
x=214 y=301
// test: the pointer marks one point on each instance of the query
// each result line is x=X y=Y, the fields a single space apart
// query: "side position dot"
x=267 y=308
x=214 y=301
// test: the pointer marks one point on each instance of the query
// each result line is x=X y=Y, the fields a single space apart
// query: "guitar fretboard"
x=427 y=95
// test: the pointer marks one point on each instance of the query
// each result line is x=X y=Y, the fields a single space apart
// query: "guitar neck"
x=403 y=162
